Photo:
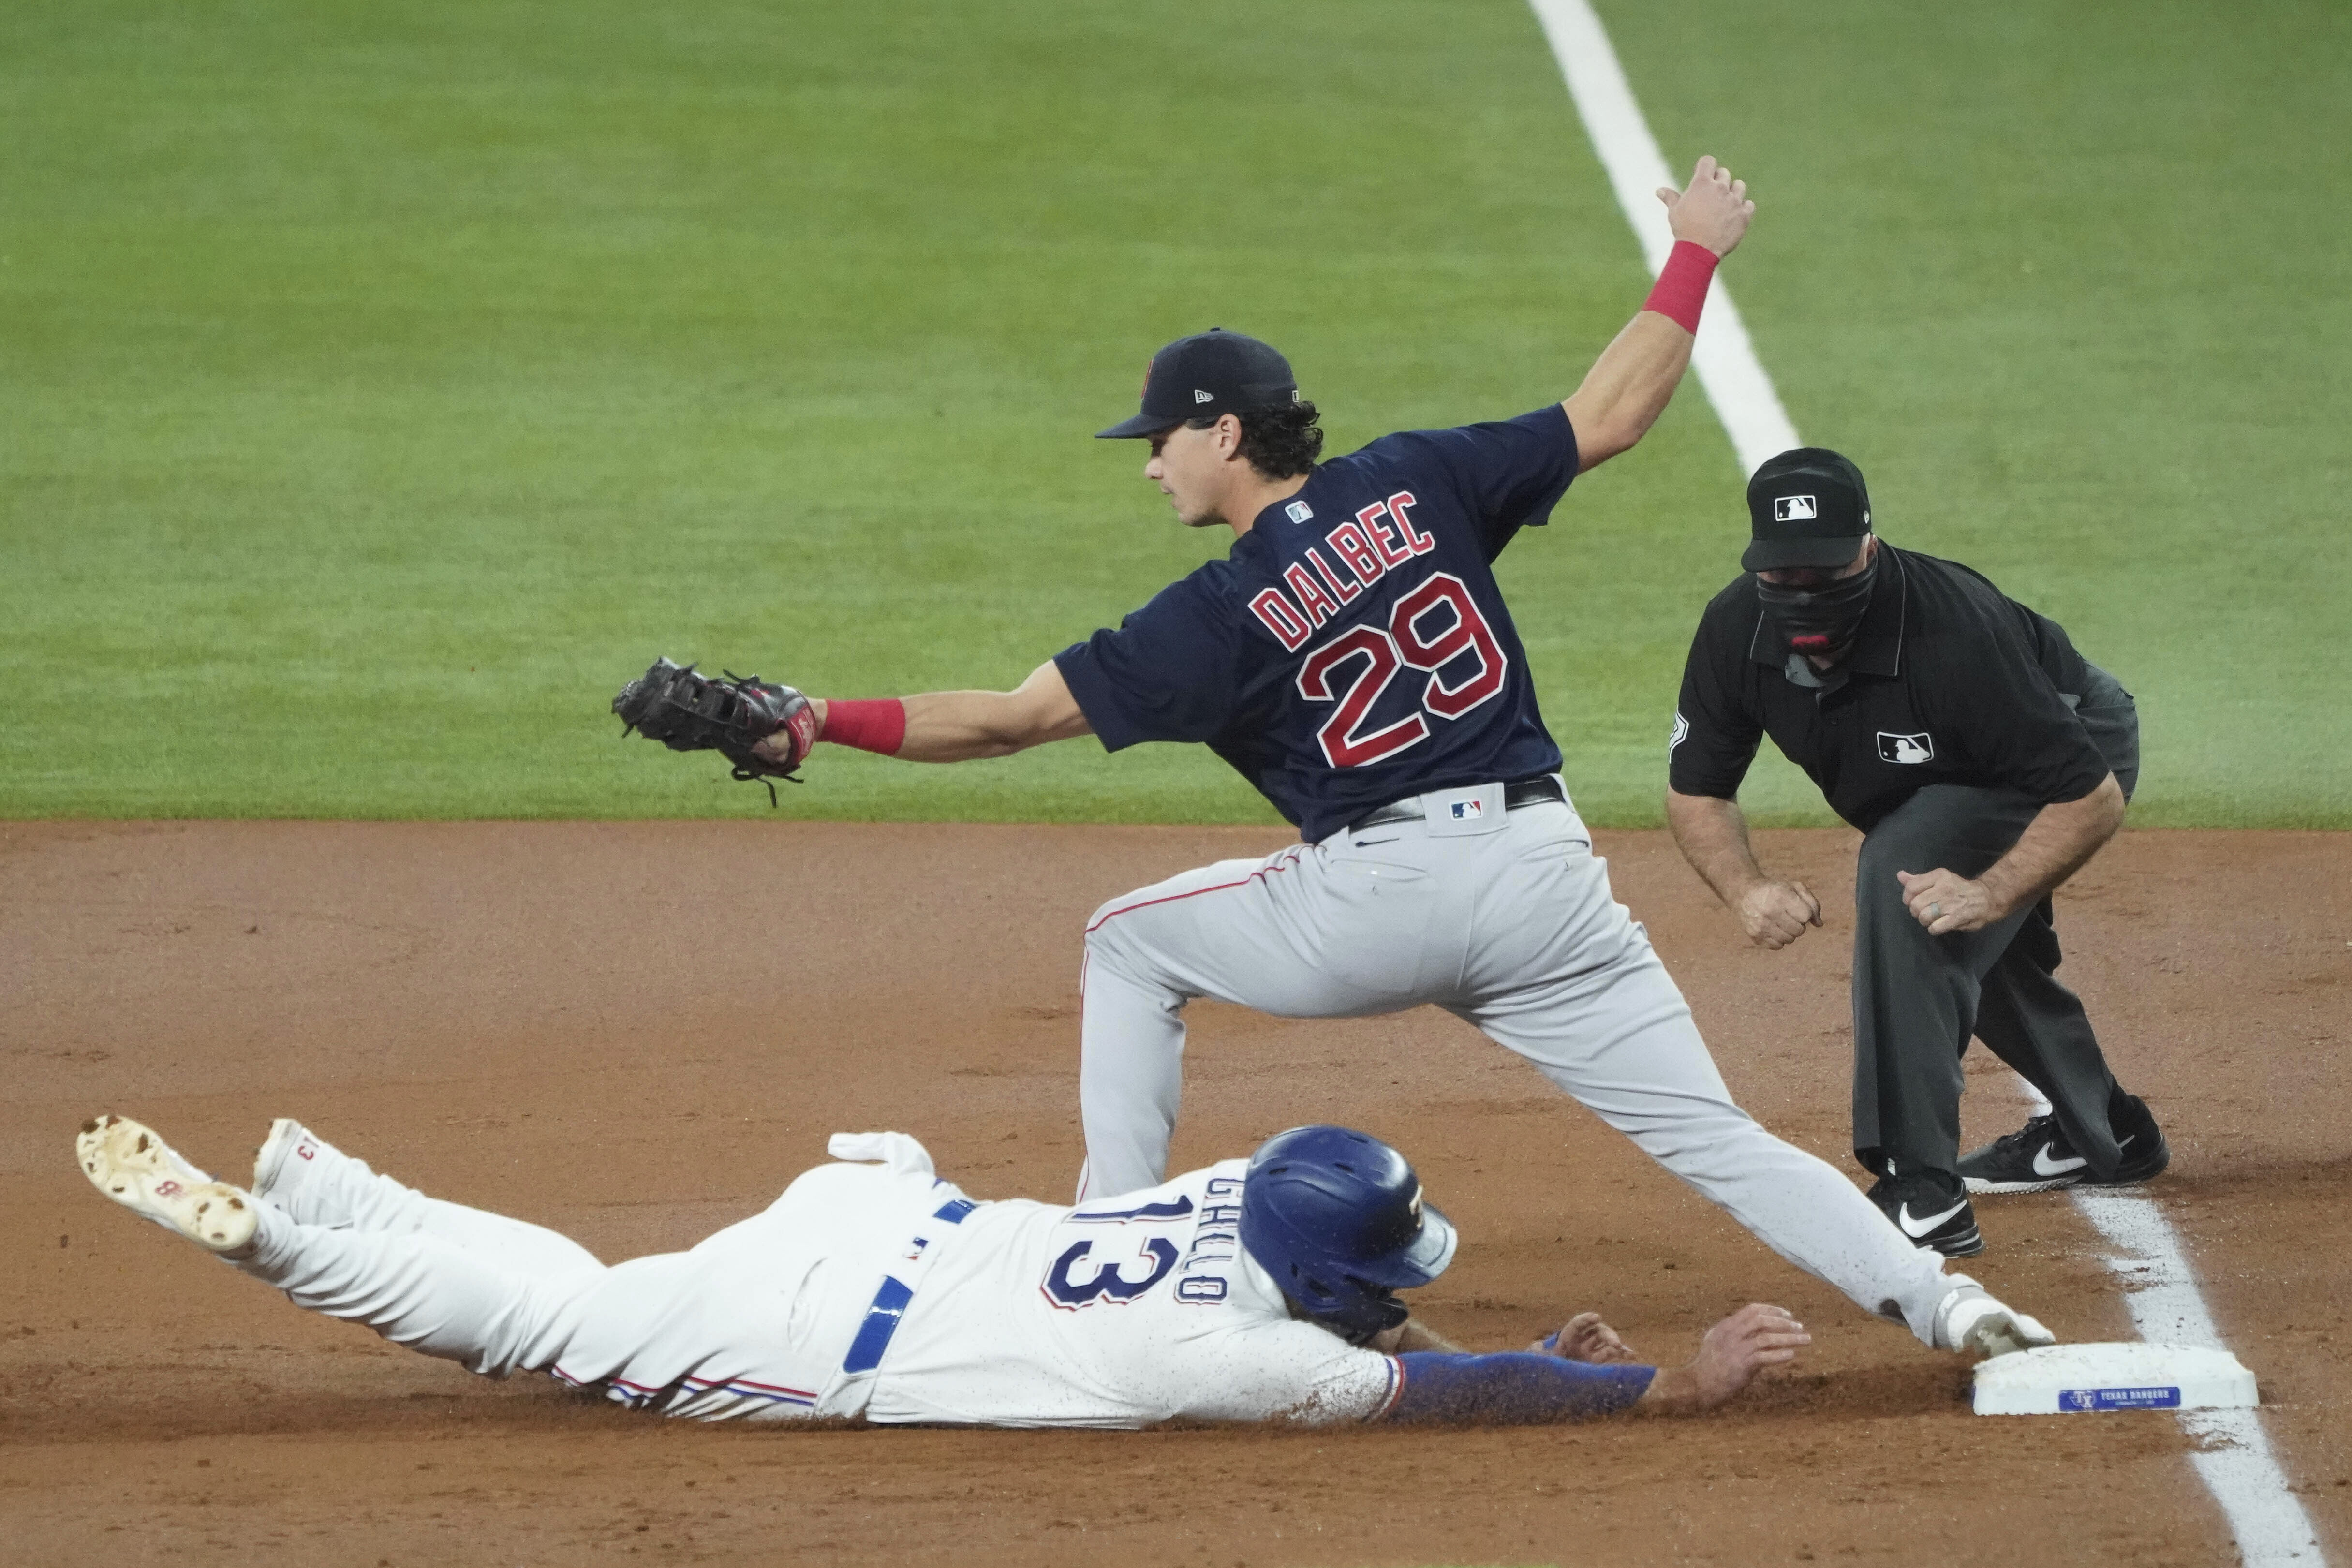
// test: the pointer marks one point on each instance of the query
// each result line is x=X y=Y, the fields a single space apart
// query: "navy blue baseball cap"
x=1206 y=374
x=1807 y=507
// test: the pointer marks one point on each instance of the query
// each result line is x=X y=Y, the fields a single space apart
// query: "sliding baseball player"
x=1258 y=1289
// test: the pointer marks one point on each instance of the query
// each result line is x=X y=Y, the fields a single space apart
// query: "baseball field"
x=385 y=384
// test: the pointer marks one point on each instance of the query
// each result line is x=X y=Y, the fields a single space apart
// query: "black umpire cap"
x=1206 y=374
x=1807 y=507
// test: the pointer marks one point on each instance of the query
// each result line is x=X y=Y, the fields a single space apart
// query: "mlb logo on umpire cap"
x=1807 y=509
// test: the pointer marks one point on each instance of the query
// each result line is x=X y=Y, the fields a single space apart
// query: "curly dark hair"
x=1279 y=442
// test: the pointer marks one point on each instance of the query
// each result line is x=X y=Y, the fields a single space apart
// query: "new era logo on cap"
x=1205 y=375
x=1794 y=508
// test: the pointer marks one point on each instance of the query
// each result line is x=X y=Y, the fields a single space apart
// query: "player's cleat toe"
x=1932 y=1210
x=1971 y=1322
x=2037 y=1158
x=130 y=1163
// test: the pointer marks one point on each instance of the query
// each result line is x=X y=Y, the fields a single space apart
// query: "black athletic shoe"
x=2037 y=1157
x=1932 y=1210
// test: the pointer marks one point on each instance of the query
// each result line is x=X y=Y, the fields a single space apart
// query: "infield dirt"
x=640 y=1032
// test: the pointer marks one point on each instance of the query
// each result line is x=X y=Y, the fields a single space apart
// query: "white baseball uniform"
x=870 y=1289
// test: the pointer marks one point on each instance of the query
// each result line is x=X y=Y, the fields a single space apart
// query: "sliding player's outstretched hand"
x=1743 y=1344
x=1713 y=210
x=1586 y=1339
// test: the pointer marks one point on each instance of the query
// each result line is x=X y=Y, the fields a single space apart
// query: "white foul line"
x=2234 y=1455
x=1725 y=360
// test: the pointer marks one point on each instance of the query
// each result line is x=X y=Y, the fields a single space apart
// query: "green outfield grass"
x=385 y=383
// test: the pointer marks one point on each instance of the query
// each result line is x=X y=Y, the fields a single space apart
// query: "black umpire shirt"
x=1949 y=681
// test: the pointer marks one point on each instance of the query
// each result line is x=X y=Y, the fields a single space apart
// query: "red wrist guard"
x=876 y=724
x=1681 y=289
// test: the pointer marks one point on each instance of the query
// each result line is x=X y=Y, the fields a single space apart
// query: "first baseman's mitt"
x=689 y=712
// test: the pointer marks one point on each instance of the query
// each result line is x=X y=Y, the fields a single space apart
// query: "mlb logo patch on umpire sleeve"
x=1918 y=748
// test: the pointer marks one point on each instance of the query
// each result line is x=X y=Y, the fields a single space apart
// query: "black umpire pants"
x=1917 y=999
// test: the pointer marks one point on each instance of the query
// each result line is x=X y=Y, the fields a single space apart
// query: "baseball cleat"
x=1971 y=1322
x=137 y=1169
x=2037 y=1158
x=1931 y=1209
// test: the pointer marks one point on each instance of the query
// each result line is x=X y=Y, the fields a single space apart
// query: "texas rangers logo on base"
x=1918 y=748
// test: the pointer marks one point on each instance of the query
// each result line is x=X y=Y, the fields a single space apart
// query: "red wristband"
x=1681 y=289
x=876 y=724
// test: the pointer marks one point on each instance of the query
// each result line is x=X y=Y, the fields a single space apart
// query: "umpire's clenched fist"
x=1777 y=913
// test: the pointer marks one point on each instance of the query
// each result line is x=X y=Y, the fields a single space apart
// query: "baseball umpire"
x=1985 y=760
x=1353 y=659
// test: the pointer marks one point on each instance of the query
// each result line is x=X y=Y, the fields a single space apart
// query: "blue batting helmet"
x=1335 y=1217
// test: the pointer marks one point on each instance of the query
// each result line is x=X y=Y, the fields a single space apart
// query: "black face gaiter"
x=1819 y=621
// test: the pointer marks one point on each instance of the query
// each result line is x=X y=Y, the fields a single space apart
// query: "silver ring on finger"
x=1935 y=912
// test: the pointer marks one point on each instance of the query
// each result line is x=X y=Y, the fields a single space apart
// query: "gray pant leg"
x=2030 y=1020
x=2037 y=1026
x=1344 y=928
x=1918 y=998
x=1580 y=992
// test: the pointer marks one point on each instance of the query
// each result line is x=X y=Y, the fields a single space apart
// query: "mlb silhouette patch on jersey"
x=1918 y=748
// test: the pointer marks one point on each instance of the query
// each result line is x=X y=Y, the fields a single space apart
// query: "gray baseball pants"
x=1505 y=920
x=1918 y=998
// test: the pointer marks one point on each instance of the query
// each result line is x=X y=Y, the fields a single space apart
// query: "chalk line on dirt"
x=2233 y=1457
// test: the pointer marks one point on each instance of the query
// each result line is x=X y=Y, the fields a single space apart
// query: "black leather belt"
x=1517 y=793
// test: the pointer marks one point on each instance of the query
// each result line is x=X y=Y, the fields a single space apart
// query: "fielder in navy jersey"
x=1353 y=659
x=1381 y=568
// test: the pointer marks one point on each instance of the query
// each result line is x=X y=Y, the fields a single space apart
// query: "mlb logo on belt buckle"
x=1468 y=810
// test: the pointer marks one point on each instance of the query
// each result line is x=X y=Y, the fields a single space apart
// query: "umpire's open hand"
x=1777 y=913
